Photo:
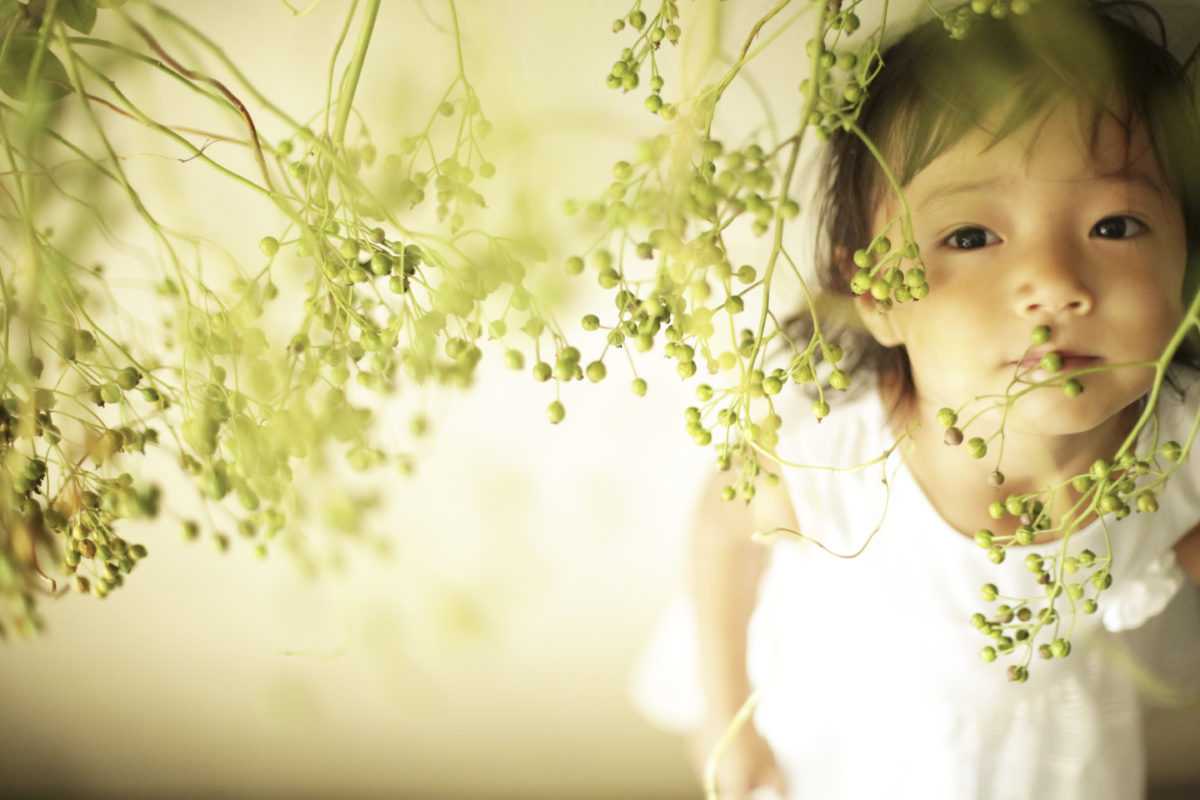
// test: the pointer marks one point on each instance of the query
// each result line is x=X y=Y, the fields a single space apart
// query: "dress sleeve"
x=1146 y=575
x=1146 y=596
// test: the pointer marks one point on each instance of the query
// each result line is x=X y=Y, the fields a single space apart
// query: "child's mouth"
x=1067 y=361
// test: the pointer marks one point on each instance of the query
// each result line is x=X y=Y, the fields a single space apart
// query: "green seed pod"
x=996 y=554
x=1051 y=362
x=861 y=282
x=989 y=592
x=639 y=387
x=556 y=412
x=976 y=447
x=820 y=409
x=988 y=654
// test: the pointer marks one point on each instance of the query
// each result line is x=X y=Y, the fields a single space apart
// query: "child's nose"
x=1052 y=284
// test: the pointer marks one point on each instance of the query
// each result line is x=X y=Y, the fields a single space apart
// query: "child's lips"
x=1070 y=360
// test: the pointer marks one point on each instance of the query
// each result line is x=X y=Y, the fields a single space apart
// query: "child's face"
x=1041 y=229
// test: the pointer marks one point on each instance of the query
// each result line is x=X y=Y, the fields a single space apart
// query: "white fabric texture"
x=874 y=684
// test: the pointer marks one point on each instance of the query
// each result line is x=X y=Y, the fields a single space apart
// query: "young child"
x=1049 y=161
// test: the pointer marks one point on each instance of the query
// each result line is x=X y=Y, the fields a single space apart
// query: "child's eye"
x=1118 y=227
x=970 y=238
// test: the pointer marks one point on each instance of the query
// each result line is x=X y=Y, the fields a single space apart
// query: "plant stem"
x=354 y=71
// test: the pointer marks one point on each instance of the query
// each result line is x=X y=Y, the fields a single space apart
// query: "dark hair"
x=931 y=90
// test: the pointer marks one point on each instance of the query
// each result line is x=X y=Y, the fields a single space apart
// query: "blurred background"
x=485 y=651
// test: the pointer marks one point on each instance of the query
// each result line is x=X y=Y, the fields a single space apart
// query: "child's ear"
x=879 y=323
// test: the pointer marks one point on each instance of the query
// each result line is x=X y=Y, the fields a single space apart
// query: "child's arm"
x=1187 y=553
x=725 y=565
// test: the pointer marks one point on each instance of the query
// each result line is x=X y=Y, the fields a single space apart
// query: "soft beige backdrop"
x=487 y=656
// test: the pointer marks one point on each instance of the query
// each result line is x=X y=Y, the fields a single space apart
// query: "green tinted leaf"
x=78 y=14
x=7 y=9
x=14 y=70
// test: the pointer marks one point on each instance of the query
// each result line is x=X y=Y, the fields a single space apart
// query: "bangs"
x=1012 y=72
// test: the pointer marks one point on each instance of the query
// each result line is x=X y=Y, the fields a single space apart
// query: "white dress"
x=874 y=684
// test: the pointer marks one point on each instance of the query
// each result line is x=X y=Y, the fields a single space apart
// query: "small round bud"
x=1051 y=362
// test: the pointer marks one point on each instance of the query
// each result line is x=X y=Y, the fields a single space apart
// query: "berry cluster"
x=651 y=33
x=958 y=21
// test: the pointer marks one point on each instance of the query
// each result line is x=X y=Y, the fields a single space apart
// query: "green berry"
x=946 y=417
x=596 y=371
x=1040 y=335
x=1171 y=451
x=128 y=378
x=996 y=554
x=988 y=654
x=861 y=282
x=542 y=372
x=976 y=447
x=984 y=538
x=639 y=387
x=839 y=380
x=1072 y=388
x=269 y=246
x=1051 y=362
x=820 y=409
x=555 y=412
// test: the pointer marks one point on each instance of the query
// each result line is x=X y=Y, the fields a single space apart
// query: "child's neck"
x=958 y=486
